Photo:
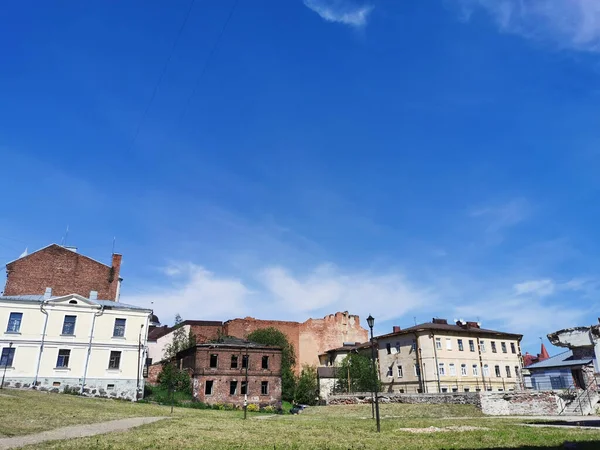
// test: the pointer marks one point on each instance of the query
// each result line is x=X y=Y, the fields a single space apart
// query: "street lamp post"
x=371 y=322
x=5 y=366
x=246 y=381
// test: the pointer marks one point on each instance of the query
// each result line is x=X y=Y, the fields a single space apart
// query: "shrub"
x=269 y=409
x=252 y=407
x=172 y=378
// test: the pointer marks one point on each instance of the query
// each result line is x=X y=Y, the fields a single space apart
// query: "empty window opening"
x=265 y=362
x=233 y=387
x=110 y=387
x=208 y=388
x=234 y=361
x=244 y=388
x=264 y=388
x=214 y=360
x=388 y=348
x=245 y=359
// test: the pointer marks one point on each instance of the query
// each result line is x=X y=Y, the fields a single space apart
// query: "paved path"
x=76 y=431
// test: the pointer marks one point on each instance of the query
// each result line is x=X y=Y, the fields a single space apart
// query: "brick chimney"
x=396 y=329
x=114 y=278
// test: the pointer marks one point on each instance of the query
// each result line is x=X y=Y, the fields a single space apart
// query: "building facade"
x=442 y=357
x=94 y=347
x=563 y=371
x=232 y=370
x=60 y=270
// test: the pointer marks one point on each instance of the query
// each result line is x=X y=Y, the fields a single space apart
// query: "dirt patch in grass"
x=459 y=428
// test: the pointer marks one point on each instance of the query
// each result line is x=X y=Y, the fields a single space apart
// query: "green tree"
x=171 y=378
x=181 y=339
x=272 y=336
x=355 y=374
x=307 y=386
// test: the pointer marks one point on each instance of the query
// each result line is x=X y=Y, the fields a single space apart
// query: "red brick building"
x=64 y=271
x=227 y=371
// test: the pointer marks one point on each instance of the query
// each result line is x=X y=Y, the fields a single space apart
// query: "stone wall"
x=120 y=389
x=521 y=403
x=432 y=399
x=490 y=403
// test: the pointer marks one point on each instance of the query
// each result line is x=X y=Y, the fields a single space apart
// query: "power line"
x=162 y=74
x=208 y=59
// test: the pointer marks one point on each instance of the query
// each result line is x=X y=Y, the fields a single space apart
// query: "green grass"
x=333 y=427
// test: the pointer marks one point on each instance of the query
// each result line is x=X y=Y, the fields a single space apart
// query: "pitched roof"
x=59 y=246
x=429 y=326
x=564 y=359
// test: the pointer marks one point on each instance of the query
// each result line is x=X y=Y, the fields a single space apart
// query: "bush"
x=268 y=409
x=307 y=387
x=172 y=378
x=252 y=407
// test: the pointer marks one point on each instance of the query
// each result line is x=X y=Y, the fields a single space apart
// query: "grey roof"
x=429 y=326
x=41 y=298
x=326 y=372
x=564 y=359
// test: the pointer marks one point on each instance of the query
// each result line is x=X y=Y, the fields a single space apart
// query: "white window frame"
x=463 y=370
x=486 y=370
x=441 y=370
x=438 y=343
x=482 y=346
x=452 y=369
x=400 y=372
x=448 y=343
x=475 y=370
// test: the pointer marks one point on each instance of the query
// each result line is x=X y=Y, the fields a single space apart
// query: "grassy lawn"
x=334 y=427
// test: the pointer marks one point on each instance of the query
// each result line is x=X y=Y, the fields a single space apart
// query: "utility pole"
x=246 y=381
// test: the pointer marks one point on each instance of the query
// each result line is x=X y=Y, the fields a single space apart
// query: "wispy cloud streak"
x=341 y=11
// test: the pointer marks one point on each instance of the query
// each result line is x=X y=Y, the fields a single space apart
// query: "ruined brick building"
x=56 y=270
x=227 y=371
x=309 y=338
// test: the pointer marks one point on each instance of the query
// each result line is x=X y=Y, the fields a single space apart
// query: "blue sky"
x=404 y=159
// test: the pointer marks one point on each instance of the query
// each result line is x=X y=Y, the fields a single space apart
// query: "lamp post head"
x=371 y=321
x=10 y=344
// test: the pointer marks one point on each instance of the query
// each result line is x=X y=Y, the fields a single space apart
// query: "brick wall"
x=153 y=372
x=432 y=399
x=205 y=333
x=65 y=271
x=309 y=338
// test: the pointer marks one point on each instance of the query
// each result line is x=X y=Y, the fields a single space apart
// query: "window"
x=463 y=370
x=8 y=354
x=448 y=344
x=508 y=375
x=114 y=361
x=493 y=346
x=517 y=371
x=438 y=343
x=244 y=388
x=444 y=389
x=414 y=345
x=466 y=389
x=460 y=345
x=500 y=390
x=265 y=362
x=119 y=330
x=214 y=361
x=400 y=372
x=234 y=361
x=264 y=388
x=503 y=346
x=69 y=325
x=513 y=349
x=390 y=372
x=471 y=345
x=245 y=361
x=208 y=388
x=441 y=369
x=489 y=389
x=454 y=389
x=397 y=347
x=417 y=371
x=475 y=370
x=110 y=387
x=63 y=358
x=14 y=322
x=486 y=370
x=388 y=348
x=482 y=346
x=452 y=369
x=233 y=388
x=497 y=369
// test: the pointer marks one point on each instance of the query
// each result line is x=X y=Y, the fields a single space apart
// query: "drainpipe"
x=437 y=366
x=87 y=358
x=481 y=364
x=37 y=369
x=419 y=358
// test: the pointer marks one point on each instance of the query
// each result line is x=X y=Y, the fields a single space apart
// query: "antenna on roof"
x=415 y=319
x=63 y=241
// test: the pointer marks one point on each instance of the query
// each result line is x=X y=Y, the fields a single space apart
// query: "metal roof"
x=41 y=298
x=429 y=326
x=564 y=359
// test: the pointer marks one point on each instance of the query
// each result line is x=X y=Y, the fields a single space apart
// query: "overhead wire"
x=208 y=59
x=162 y=73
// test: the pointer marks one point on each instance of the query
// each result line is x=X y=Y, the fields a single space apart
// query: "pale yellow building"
x=442 y=357
x=90 y=346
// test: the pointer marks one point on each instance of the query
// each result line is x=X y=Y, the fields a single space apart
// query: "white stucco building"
x=96 y=347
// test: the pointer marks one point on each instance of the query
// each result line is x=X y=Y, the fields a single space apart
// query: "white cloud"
x=501 y=217
x=341 y=11
x=567 y=23
x=541 y=288
x=195 y=293
x=327 y=289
